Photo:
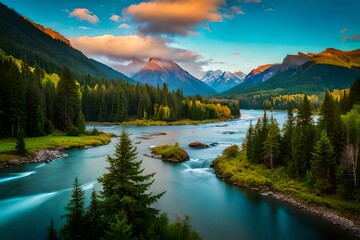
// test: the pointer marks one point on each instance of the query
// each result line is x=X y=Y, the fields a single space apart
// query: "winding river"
x=31 y=194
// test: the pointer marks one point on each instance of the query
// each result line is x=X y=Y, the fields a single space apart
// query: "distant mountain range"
x=303 y=73
x=34 y=43
x=158 y=71
x=223 y=80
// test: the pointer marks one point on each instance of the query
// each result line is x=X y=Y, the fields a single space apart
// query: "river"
x=31 y=194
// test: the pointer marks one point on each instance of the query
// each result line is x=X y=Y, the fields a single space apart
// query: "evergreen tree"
x=119 y=229
x=20 y=144
x=73 y=228
x=323 y=164
x=288 y=130
x=303 y=139
x=80 y=122
x=94 y=226
x=271 y=148
x=125 y=188
x=51 y=231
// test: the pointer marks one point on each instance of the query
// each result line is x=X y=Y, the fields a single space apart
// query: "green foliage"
x=51 y=231
x=323 y=164
x=232 y=151
x=92 y=219
x=80 y=122
x=119 y=229
x=20 y=144
x=171 y=152
x=73 y=228
x=310 y=179
x=181 y=229
x=72 y=131
x=126 y=188
x=271 y=148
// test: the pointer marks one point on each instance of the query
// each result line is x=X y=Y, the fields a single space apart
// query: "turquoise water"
x=31 y=194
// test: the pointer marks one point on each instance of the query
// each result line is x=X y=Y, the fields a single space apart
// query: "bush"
x=232 y=151
x=73 y=131
x=95 y=132
x=310 y=179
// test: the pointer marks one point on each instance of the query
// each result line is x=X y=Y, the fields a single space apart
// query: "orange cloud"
x=83 y=14
x=174 y=16
x=118 y=51
x=351 y=38
x=115 y=18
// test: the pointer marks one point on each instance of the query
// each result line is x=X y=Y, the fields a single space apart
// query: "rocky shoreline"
x=347 y=224
x=41 y=156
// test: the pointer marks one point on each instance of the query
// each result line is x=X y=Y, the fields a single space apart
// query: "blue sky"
x=200 y=35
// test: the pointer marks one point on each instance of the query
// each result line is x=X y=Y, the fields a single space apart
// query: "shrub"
x=73 y=131
x=232 y=151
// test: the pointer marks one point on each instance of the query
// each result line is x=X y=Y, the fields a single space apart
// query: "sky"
x=200 y=35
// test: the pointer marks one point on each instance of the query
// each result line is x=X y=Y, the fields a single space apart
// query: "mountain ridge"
x=158 y=71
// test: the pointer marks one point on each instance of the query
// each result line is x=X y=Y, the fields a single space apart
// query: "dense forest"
x=325 y=154
x=123 y=209
x=37 y=102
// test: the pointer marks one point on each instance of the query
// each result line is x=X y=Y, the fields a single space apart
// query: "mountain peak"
x=162 y=65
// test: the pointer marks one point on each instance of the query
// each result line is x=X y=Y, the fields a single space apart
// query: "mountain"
x=223 y=80
x=158 y=71
x=34 y=43
x=303 y=73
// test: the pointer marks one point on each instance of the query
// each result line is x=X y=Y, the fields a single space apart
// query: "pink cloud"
x=124 y=25
x=343 y=31
x=237 y=53
x=123 y=51
x=174 y=17
x=115 y=18
x=83 y=14
x=252 y=1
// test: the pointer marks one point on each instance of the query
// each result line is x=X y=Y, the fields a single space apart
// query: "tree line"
x=324 y=155
x=123 y=209
x=35 y=102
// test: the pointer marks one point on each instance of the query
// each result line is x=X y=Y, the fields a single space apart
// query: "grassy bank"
x=7 y=146
x=241 y=172
x=140 y=122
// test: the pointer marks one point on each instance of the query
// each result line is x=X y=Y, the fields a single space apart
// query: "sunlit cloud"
x=124 y=25
x=344 y=30
x=232 y=12
x=115 y=18
x=123 y=51
x=83 y=14
x=174 y=17
x=237 y=53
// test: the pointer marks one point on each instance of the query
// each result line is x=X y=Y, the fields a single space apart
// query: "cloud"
x=115 y=18
x=174 y=16
x=124 y=25
x=252 y=1
x=83 y=14
x=350 y=38
x=84 y=28
x=343 y=31
x=120 y=51
x=208 y=28
x=232 y=11
x=268 y=10
x=237 y=53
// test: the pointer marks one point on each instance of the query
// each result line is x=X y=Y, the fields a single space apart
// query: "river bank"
x=276 y=184
x=46 y=148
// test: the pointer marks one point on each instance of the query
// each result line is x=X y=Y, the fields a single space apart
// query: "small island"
x=171 y=153
x=198 y=145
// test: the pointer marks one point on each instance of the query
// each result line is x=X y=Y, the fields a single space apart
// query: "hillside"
x=305 y=73
x=159 y=71
x=36 y=44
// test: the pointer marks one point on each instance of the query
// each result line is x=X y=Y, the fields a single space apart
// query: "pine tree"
x=93 y=224
x=119 y=229
x=288 y=129
x=80 y=122
x=73 y=228
x=323 y=164
x=126 y=188
x=51 y=231
x=271 y=148
x=20 y=143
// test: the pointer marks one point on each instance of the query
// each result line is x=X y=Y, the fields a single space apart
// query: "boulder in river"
x=198 y=145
